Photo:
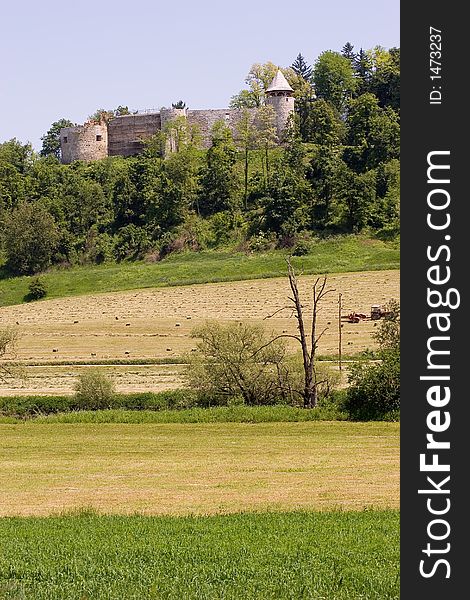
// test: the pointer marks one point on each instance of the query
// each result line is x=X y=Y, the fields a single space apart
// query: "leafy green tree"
x=246 y=134
x=121 y=111
x=180 y=104
x=324 y=125
x=373 y=133
x=385 y=78
x=18 y=155
x=13 y=186
x=325 y=167
x=355 y=194
x=30 y=238
x=218 y=183
x=101 y=115
x=334 y=79
x=258 y=80
x=267 y=135
x=37 y=289
x=51 y=139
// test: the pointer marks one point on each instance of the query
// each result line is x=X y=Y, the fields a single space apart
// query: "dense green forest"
x=335 y=172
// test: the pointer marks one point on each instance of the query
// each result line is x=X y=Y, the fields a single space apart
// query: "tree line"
x=336 y=171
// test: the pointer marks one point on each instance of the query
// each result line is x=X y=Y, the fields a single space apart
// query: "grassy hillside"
x=341 y=254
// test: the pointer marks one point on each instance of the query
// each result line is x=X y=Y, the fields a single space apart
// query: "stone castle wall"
x=84 y=142
x=206 y=119
x=125 y=134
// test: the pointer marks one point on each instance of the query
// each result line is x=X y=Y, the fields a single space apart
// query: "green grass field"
x=336 y=255
x=276 y=556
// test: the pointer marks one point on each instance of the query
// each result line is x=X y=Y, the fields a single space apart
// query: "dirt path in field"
x=157 y=323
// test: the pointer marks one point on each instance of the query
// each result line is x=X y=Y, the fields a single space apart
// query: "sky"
x=66 y=58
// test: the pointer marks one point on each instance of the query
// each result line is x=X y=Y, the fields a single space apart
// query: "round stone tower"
x=280 y=96
x=167 y=115
x=84 y=142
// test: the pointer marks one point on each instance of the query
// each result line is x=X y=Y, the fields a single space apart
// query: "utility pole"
x=340 y=331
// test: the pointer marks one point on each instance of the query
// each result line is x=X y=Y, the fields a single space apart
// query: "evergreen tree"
x=302 y=68
x=363 y=72
x=348 y=52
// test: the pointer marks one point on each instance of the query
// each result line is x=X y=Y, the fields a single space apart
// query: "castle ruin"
x=125 y=135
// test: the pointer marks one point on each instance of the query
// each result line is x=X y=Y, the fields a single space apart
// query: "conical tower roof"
x=279 y=84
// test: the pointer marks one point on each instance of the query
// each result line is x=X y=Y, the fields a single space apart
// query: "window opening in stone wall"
x=65 y=140
x=98 y=138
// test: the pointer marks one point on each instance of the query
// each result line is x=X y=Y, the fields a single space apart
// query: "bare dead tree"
x=8 y=368
x=309 y=347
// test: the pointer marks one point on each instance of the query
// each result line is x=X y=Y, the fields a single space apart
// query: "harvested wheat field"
x=198 y=468
x=157 y=323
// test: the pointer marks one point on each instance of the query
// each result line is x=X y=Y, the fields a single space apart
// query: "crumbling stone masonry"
x=124 y=135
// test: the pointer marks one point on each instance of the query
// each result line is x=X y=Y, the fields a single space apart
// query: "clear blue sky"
x=65 y=58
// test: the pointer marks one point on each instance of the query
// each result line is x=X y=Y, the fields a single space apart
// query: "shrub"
x=37 y=289
x=301 y=248
x=374 y=392
x=94 y=391
x=236 y=361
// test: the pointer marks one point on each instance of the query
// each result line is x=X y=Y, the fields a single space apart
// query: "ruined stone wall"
x=205 y=120
x=125 y=134
x=84 y=142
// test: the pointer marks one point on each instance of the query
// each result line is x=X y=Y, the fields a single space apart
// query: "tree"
x=218 y=182
x=304 y=93
x=385 y=77
x=267 y=135
x=8 y=339
x=246 y=139
x=309 y=348
x=334 y=79
x=100 y=115
x=30 y=239
x=302 y=68
x=373 y=134
x=121 y=111
x=180 y=104
x=258 y=80
x=308 y=336
x=51 y=139
x=362 y=65
x=18 y=155
x=355 y=194
x=323 y=174
x=348 y=52
x=323 y=124
x=237 y=360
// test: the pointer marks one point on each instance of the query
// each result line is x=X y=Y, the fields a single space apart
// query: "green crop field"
x=276 y=556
